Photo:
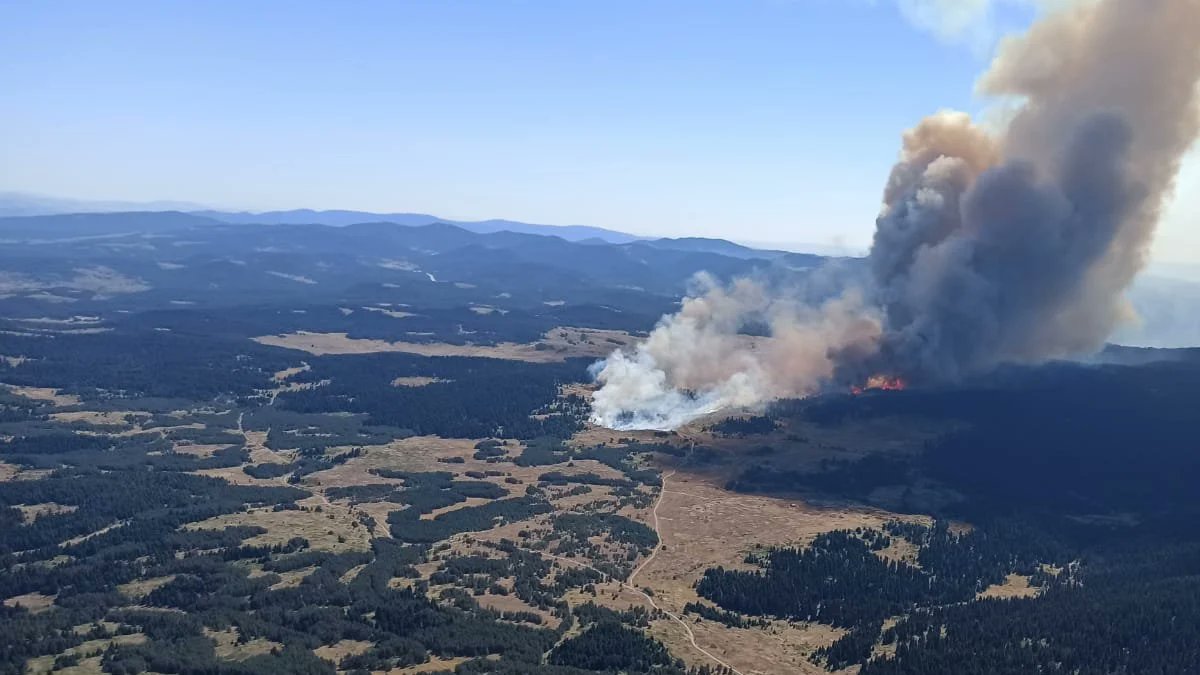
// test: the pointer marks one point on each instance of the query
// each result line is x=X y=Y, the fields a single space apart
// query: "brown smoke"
x=1019 y=247
x=1014 y=246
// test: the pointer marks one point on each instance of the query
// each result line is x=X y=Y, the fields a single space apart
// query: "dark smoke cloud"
x=992 y=247
x=1018 y=247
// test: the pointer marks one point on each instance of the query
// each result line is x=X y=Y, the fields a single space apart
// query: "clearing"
x=558 y=344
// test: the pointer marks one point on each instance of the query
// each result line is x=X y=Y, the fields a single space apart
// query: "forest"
x=176 y=497
x=1094 y=510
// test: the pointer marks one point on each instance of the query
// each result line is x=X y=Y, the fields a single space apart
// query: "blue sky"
x=761 y=120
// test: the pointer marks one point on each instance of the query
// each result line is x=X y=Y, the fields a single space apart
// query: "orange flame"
x=880 y=382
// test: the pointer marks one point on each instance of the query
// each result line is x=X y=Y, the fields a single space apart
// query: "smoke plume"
x=697 y=360
x=990 y=248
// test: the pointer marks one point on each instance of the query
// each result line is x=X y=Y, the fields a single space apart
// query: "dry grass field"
x=414 y=381
x=1014 y=586
x=88 y=665
x=227 y=646
x=701 y=524
x=34 y=602
x=31 y=512
x=435 y=664
x=46 y=394
x=557 y=344
x=339 y=650
x=136 y=590
x=332 y=528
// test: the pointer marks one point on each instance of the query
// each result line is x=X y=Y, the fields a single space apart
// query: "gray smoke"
x=1014 y=246
x=1019 y=247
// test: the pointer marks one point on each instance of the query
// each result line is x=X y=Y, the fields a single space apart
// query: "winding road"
x=628 y=584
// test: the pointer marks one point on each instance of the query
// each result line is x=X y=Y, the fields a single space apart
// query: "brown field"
x=1014 y=586
x=592 y=435
x=339 y=650
x=198 y=449
x=467 y=503
x=773 y=650
x=703 y=525
x=287 y=373
x=418 y=453
x=46 y=394
x=352 y=573
x=235 y=476
x=34 y=602
x=227 y=646
x=415 y=381
x=511 y=603
x=608 y=594
x=421 y=454
x=557 y=345
x=292 y=578
x=31 y=512
x=256 y=444
x=136 y=590
x=900 y=549
x=14 y=472
x=332 y=529
x=42 y=665
x=435 y=664
x=99 y=419
x=600 y=494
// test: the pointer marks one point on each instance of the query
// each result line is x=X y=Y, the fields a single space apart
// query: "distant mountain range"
x=337 y=218
x=477 y=252
x=24 y=204
x=68 y=264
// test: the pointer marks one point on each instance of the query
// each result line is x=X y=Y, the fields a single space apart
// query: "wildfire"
x=880 y=382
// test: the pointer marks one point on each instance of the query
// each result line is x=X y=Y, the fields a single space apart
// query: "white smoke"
x=1015 y=246
x=697 y=361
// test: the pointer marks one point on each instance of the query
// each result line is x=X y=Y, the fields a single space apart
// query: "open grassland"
x=558 y=344
x=326 y=526
x=31 y=512
x=88 y=653
x=228 y=646
x=699 y=521
x=46 y=394
x=1014 y=586
x=33 y=602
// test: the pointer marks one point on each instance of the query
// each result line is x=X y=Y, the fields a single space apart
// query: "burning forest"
x=1011 y=245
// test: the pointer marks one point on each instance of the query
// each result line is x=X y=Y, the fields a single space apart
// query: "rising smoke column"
x=1014 y=246
x=1019 y=247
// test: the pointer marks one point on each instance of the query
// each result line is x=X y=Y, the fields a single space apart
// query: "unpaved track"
x=628 y=585
x=662 y=491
